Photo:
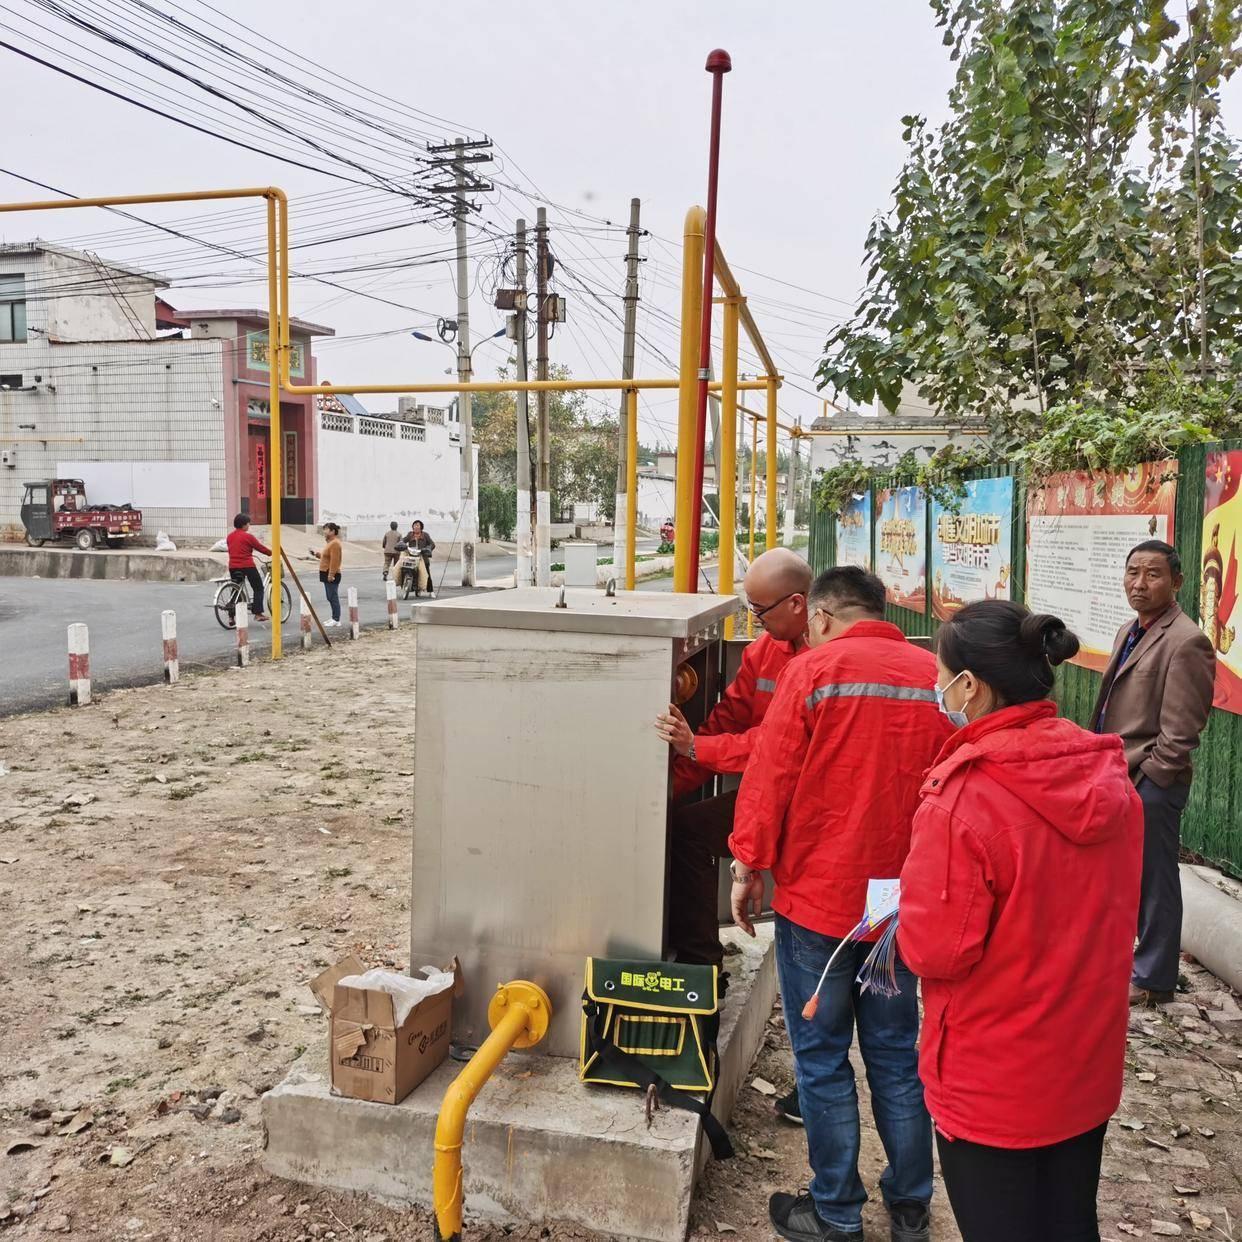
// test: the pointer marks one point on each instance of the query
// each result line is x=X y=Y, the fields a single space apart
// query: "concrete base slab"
x=540 y=1146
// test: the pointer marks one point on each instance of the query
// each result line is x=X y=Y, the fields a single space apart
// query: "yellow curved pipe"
x=518 y=1015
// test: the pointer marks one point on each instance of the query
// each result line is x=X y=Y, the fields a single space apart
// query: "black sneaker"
x=794 y=1217
x=789 y=1109
x=911 y=1222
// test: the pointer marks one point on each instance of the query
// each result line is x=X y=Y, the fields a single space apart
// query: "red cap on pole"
x=719 y=61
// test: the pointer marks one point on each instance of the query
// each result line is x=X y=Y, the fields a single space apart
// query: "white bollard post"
x=354 y=627
x=243 y=634
x=304 y=622
x=79 y=665
x=390 y=590
x=168 y=627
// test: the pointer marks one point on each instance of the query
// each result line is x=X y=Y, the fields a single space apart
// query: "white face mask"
x=959 y=720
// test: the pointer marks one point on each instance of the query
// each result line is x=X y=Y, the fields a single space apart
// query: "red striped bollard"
x=168 y=628
x=390 y=590
x=79 y=665
x=243 y=634
x=354 y=627
x=304 y=622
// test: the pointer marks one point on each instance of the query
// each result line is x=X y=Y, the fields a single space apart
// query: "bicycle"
x=229 y=594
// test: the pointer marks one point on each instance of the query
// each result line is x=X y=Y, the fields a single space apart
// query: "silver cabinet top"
x=654 y=614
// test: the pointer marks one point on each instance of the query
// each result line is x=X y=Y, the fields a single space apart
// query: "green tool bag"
x=654 y=1024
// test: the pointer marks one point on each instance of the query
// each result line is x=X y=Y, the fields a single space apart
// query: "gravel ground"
x=177 y=863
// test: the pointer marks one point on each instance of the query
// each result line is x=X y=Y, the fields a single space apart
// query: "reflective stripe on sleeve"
x=868 y=690
x=766 y=684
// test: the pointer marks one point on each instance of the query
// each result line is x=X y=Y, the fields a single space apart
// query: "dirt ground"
x=177 y=863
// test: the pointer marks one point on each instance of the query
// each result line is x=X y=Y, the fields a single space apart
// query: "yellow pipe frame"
x=726 y=487
x=519 y=1014
x=280 y=352
x=754 y=477
x=771 y=463
x=631 y=487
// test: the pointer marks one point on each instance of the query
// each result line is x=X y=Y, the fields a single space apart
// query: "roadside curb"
x=1212 y=923
x=135 y=566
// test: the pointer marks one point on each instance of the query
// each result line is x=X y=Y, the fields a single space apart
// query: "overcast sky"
x=592 y=104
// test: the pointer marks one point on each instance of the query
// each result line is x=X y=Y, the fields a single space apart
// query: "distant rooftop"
x=43 y=247
x=250 y=315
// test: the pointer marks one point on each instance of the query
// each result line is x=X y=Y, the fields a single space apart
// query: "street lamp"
x=422 y=336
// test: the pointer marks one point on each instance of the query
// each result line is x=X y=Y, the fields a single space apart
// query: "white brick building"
x=89 y=389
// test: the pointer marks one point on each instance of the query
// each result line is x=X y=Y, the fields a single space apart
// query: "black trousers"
x=255 y=579
x=698 y=840
x=1034 y=1194
x=1159 y=947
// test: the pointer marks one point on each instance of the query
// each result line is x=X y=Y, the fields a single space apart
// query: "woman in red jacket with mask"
x=1019 y=903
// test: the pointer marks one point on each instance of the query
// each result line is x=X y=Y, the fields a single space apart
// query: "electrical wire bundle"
x=879 y=971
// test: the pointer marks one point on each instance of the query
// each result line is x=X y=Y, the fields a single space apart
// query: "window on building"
x=12 y=308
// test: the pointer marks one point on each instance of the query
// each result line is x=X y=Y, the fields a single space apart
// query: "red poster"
x=1219 y=612
x=260 y=470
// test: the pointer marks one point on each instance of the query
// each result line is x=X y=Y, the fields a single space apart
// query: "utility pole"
x=543 y=502
x=525 y=563
x=791 y=493
x=464 y=181
x=620 y=511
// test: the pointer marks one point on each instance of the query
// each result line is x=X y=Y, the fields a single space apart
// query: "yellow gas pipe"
x=518 y=1015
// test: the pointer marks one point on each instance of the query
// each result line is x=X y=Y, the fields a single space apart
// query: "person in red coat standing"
x=826 y=805
x=1018 y=908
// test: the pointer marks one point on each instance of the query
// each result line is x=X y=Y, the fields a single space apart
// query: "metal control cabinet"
x=541 y=788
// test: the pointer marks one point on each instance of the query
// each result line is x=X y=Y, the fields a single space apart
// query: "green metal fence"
x=1212 y=825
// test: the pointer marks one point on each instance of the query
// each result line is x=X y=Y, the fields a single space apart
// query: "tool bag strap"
x=616 y=1064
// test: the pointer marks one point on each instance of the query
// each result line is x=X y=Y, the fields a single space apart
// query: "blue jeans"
x=888 y=1029
x=332 y=590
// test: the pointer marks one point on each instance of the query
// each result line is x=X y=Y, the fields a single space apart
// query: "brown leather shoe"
x=1148 y=999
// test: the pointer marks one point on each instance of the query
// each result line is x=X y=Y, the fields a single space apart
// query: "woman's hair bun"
x=1043 y=634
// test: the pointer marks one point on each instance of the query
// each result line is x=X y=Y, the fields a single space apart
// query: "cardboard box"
x=370 y=1057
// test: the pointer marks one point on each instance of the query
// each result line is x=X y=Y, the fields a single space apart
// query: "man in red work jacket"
x=826 y=805
x=776 y=585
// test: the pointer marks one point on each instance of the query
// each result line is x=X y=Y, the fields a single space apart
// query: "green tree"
x=1029 y=252
x=583 y=447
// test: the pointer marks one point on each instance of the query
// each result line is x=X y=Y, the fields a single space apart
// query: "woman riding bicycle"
x=242 y=547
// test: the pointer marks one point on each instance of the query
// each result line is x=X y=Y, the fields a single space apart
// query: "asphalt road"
x=124 y=622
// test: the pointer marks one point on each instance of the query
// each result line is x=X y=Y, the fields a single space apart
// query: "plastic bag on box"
x=405 y=990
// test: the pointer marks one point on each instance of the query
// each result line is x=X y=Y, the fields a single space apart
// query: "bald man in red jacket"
x=775 y=585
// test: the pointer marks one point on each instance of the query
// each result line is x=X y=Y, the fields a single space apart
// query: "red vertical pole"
x=718 y=64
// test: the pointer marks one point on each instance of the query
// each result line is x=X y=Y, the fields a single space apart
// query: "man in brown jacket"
x=1157 y=693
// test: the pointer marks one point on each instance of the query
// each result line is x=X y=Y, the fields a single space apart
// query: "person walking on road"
x=1017 y=913
x=825 y=805
x=391 y=547
x=242 y=546
x=330 y=570
x=1157 y=693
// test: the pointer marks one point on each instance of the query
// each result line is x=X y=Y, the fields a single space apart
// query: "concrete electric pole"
x=464 y=181
x=543 y=502
x=620 y=516
x=525 y=562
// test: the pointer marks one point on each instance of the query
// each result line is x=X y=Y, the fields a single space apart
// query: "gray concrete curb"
x=140 y=566
x=1212 y=923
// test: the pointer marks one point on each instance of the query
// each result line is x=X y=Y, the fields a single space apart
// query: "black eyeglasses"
x=760 y=613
